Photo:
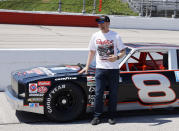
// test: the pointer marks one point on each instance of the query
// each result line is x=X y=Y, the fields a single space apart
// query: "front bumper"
x=18 y=104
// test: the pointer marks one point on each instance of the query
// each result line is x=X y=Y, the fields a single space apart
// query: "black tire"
x=65 y=102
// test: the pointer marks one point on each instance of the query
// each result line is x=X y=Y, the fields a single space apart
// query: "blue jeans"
x=112 y=77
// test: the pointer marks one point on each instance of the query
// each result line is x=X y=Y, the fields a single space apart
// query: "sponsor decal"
x=60 y=68
x=73 y=67
x=47 y=71
x=90 y=78
x=48 y=103
x=91 y=99
x=32 y=88
x=35 y=70
x=42 y=89
x=91 y=96
x=44 y=83
x=20 y=73
x=64 y=68
x=92 y=89
x=106 y=93
x=93 y=83
x=32 y=105
x=36 y=94
x=66 y=78
x=177 y=76
x=35 y=99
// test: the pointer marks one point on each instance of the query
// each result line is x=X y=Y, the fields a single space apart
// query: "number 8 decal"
x=144 y=90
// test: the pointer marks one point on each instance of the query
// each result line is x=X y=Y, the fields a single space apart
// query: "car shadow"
x=34 y=118
x=155 y=117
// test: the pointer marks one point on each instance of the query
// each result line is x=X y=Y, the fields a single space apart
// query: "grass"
x=110 y=7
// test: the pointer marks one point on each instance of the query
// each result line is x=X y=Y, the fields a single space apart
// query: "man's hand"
x=84 y=70
x=112 y=58
x=90 y=58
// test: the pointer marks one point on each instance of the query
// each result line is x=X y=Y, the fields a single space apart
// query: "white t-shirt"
x=106 y=44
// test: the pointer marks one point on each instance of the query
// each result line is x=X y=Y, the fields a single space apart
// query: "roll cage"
x=149 y=59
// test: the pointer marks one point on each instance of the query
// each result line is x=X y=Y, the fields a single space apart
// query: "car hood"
x=45 y=71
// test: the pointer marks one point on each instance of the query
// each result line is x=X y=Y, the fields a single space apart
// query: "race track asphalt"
x=29 y=36
x=35 y=36
x=146 y=120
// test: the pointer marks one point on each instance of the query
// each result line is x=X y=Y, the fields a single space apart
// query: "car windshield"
x=128 y=50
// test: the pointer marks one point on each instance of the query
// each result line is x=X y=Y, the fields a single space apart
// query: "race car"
x=149 y=78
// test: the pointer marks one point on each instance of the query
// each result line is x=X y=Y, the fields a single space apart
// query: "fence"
x=83 y=6
x=110 y=7
x=162 y=8
x=91 y=6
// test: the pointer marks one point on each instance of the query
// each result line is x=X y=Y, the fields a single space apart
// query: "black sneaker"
x=95 y=121
x=111 y=121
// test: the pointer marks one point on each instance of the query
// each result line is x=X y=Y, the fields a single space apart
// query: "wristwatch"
x=117 y=57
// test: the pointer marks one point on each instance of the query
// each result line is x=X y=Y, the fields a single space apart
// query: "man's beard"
x=102 y=28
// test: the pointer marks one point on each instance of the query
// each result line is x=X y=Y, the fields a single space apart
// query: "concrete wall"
x=46 y=18
x=136 y=22
x=11 y=60
x=78 y=19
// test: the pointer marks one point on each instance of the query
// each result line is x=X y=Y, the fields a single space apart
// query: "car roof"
x=146 y=45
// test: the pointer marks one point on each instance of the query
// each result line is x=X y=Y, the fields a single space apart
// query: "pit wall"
x=86 y=20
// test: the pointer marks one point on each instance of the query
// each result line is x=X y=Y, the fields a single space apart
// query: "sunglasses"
x=100 y=22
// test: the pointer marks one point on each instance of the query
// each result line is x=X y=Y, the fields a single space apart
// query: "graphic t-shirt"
x=106 y=44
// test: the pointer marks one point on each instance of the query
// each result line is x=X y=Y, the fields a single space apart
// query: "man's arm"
x=119 y=56
x=91 y=55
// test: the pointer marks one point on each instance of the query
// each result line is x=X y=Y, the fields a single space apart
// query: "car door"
x=146 y=82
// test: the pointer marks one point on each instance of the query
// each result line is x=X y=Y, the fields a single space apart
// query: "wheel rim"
x=64 y=102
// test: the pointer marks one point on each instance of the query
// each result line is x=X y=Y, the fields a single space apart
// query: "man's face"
x=104 y=26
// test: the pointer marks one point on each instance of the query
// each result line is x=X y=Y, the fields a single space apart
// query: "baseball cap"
x=102 y=19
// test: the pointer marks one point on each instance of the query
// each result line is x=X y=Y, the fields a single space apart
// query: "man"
x=105 y=44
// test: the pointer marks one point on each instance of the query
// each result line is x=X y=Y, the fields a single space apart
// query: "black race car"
x=149 y=78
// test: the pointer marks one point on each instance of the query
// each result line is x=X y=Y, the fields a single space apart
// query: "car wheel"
x=64 y=102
